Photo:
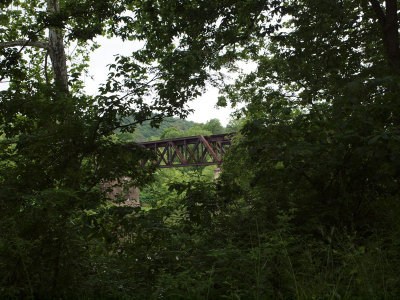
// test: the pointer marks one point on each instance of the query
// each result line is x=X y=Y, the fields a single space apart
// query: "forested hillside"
x=170 y=128
x=307 y=203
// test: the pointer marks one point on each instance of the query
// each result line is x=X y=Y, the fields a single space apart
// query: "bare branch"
x=22 y=43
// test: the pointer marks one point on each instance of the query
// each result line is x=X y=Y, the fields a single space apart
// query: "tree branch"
x=22 y=43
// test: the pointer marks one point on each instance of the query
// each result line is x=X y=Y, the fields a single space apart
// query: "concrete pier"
x=217 y=173
x=119 y=190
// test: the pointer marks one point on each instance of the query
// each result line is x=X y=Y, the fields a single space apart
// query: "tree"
x=389 y=25
x=58 y=144
x=55 y=19
x=196 y=131
x=214 y=125
x=315 y=170
x=170 y=133
x=235 y=125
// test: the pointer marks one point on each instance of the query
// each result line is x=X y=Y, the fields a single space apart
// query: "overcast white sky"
x=204 y=106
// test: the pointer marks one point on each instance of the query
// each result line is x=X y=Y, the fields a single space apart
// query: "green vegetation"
x=158 y=191
x=170 y=128
x=307 y=205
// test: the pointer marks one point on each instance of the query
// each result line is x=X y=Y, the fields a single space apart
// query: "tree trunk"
x=389 y=23
x=391 y=35
x=57 y=50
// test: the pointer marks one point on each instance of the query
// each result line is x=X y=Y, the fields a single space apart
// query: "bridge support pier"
x=217 y=173
x=119 y=191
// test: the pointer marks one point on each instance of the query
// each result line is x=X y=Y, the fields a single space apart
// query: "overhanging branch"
x=22 y=43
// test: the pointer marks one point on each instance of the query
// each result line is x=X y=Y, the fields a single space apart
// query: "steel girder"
x=189 y=151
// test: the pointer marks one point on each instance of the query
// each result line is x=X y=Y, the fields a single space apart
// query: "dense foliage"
x=307 y=204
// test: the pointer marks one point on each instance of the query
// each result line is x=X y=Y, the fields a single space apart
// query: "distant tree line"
x=174 y=127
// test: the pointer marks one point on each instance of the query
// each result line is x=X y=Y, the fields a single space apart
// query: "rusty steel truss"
x=190 y=151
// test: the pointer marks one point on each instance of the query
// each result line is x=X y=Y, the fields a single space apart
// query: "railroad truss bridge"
x=178 y=152
x=190 y=151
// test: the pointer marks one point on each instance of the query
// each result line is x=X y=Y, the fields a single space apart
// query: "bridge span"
x=190 y=151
